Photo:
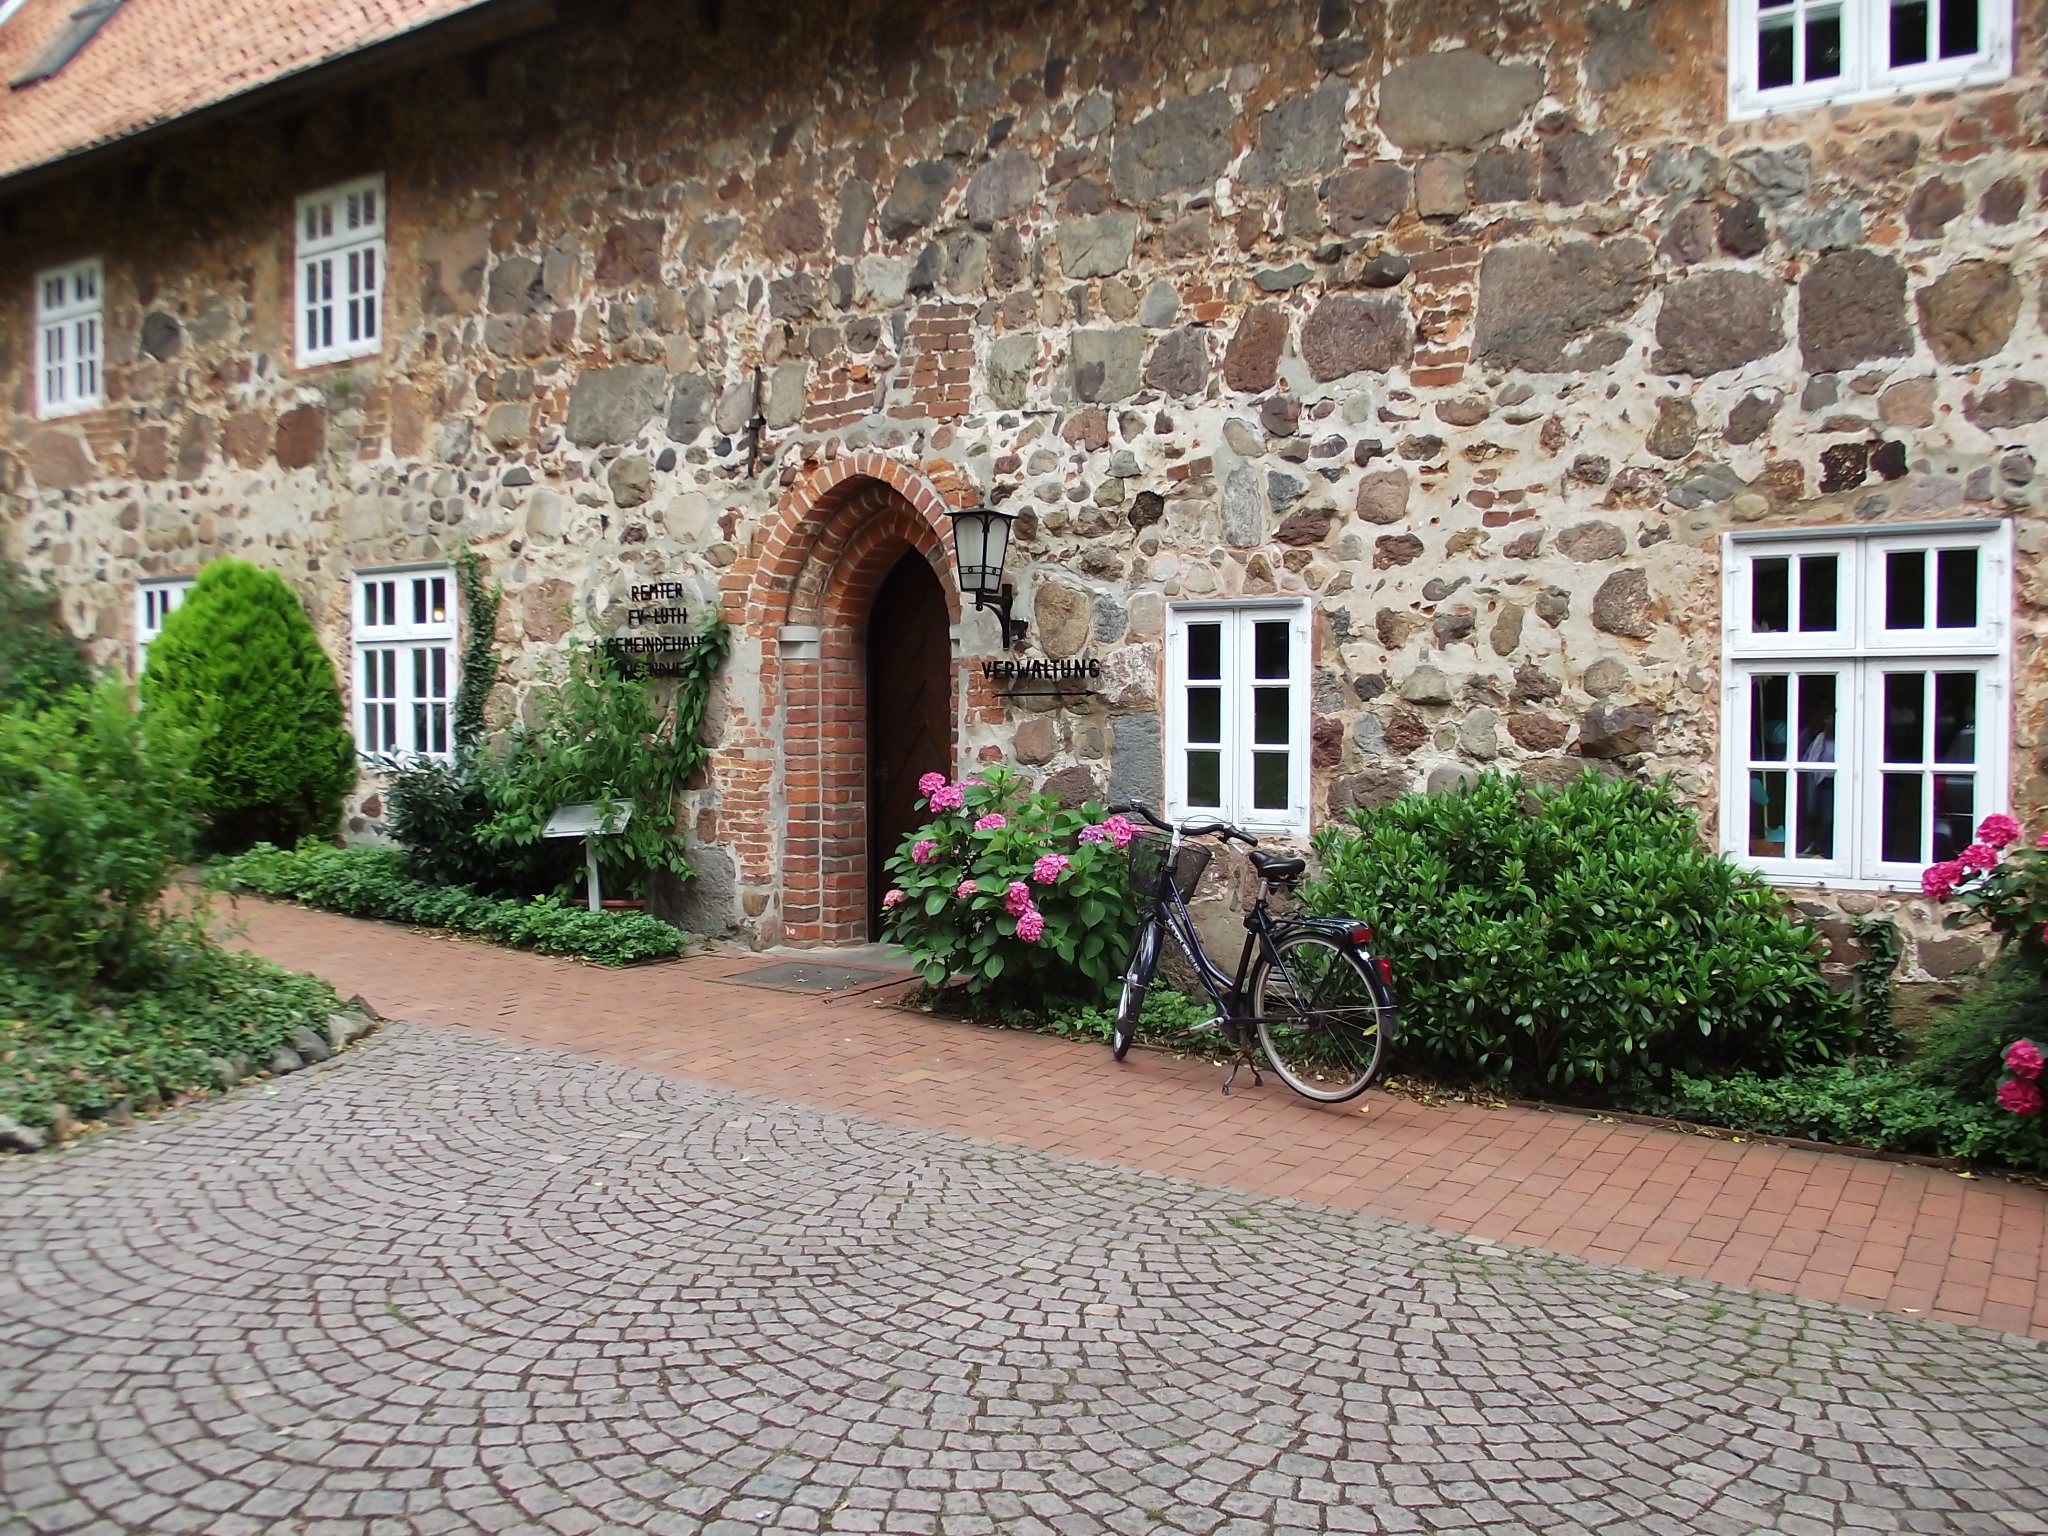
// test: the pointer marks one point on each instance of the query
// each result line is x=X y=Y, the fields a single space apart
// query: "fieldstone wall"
x=1476 y=323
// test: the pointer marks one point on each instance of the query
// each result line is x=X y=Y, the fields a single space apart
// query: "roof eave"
x=475 y=26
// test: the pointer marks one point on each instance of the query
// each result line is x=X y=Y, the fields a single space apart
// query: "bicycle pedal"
x=1205 y=1026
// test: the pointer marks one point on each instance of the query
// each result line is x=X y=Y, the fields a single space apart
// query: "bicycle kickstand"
x=1244 y=1059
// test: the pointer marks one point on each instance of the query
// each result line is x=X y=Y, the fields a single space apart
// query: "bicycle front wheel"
x=1324 y=1018
x=1137 y=982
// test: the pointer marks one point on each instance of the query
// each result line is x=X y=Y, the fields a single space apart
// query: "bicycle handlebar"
x=1187 y=828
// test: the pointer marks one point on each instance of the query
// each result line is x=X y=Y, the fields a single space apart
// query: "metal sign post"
x=586 y=819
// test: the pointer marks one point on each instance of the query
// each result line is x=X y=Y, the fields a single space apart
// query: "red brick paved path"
x=1876 y=1235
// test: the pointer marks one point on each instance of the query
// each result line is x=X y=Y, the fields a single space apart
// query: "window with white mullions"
x=155 y=601
x=70 y=312
x=1788 y=54
x=1237 y=710
x=340 y=271
x=405 y=671
x=1865 y=722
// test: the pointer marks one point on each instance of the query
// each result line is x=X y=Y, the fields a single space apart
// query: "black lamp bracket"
x=1013 y=629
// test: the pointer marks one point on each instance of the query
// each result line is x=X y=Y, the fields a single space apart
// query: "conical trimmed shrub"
x=239 y=667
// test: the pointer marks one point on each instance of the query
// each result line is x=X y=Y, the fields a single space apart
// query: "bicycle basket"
x=1151 y=879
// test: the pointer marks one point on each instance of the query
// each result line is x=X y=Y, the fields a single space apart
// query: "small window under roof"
x=64 y=46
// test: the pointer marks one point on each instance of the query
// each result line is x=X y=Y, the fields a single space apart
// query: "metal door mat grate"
x=805 y=977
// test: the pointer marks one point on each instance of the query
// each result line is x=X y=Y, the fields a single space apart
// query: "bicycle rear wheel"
x=1137 y=982
x=1324 y=1018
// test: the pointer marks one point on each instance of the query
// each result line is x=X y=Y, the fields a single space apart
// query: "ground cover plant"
x=1014 y=896
x=377 y=883
x=108 y=995
x=238 y=669
x=1577 y=942
x=40 y=659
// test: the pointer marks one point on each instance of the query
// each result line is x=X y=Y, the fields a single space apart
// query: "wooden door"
x=910 y=710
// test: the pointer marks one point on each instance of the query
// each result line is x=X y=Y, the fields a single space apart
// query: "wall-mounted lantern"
x=981 y=545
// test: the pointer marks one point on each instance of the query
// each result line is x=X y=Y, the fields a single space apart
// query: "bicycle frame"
x=1225 y=991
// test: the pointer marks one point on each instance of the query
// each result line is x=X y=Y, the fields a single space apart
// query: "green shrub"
x=1891 y=1109
x=92 y=822
x=373 y=882
x=604 y=734
x=238 y=666
x=1008 y=891
x=40 y=659
x=90 y=1047
x=1962 y=1050
x=1582 y=939
x=437 y=811
x=1168 y=1018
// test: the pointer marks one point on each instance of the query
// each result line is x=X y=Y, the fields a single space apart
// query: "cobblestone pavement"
x=450 y=1283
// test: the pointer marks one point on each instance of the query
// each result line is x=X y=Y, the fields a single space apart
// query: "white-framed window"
x=1865 y=715
x=154 y=602
x=339 y=286
x=69 y=307
x=1237 y=714
x=404 y=662
x=1789 y=54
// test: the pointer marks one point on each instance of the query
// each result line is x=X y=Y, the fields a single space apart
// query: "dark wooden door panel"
x=910 y=709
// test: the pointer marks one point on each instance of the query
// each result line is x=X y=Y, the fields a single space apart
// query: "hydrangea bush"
x=1006 y=890
x=2004 y=884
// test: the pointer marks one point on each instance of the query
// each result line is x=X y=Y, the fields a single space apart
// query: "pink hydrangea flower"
x=1998 y=831
x=2014 y=1095
x=1031 y=926
x=1120 y=831
x=923 y=851
x=2023 y=1059
x=931 y=784
x=1018 y=900
x=1094 y=834
x=992 y=822
x=1977 y=856
x=1049 y=868
x=2041 y=841
x=947 y=797
x=968 y=890
x=893 y=899
x=1938 y=881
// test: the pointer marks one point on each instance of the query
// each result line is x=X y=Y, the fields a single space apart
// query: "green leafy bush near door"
x=1580 y=941
x=238 y=669
x=40 y=660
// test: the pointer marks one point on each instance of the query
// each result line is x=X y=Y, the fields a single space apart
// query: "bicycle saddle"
x=1271 y=866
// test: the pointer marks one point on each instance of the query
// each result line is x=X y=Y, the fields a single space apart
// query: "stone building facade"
x=1482 y=341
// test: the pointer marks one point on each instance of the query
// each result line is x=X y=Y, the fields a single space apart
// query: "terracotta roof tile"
x=155 y=60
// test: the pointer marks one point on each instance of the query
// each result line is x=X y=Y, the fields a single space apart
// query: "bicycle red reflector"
x=1386 y=973
x=1361 y=935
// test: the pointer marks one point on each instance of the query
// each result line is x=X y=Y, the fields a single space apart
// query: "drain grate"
x=805 y=977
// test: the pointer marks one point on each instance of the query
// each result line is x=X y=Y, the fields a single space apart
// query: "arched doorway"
x=910 y=727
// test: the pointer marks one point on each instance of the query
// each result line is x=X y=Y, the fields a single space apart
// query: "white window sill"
x=338 y=355
x=1748 y=105
x=74 y=408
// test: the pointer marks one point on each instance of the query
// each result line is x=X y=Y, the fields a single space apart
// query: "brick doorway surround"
x=793 y=788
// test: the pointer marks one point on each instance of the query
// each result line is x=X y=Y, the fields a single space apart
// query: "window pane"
x=1817 y=717
x=1205 y=651
x=437 y=606
x=1817 y=587
x=1766 y=814
x=1769 y=717
x=390 y=591
x=1770 y=596
x=1955 y=813
x=1955 y=717
x=1905 y=717
x=1269 y=649
x=1269 y=716
x=1205 y=714
x=1899 y=836
x=1816 y=816
x=1905 y=589
x=1205 y=779
x=1824 y=45
x=419 y=673
x=1269 y=781
x=419 y=601
x=1955 y=589
x=1909 y=32
x=1774 y=50
x=1959 y=31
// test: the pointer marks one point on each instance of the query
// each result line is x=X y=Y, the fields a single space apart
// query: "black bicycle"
x=1321 y=1002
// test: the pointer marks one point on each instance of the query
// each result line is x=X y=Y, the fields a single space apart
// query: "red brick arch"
x=835 y=536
